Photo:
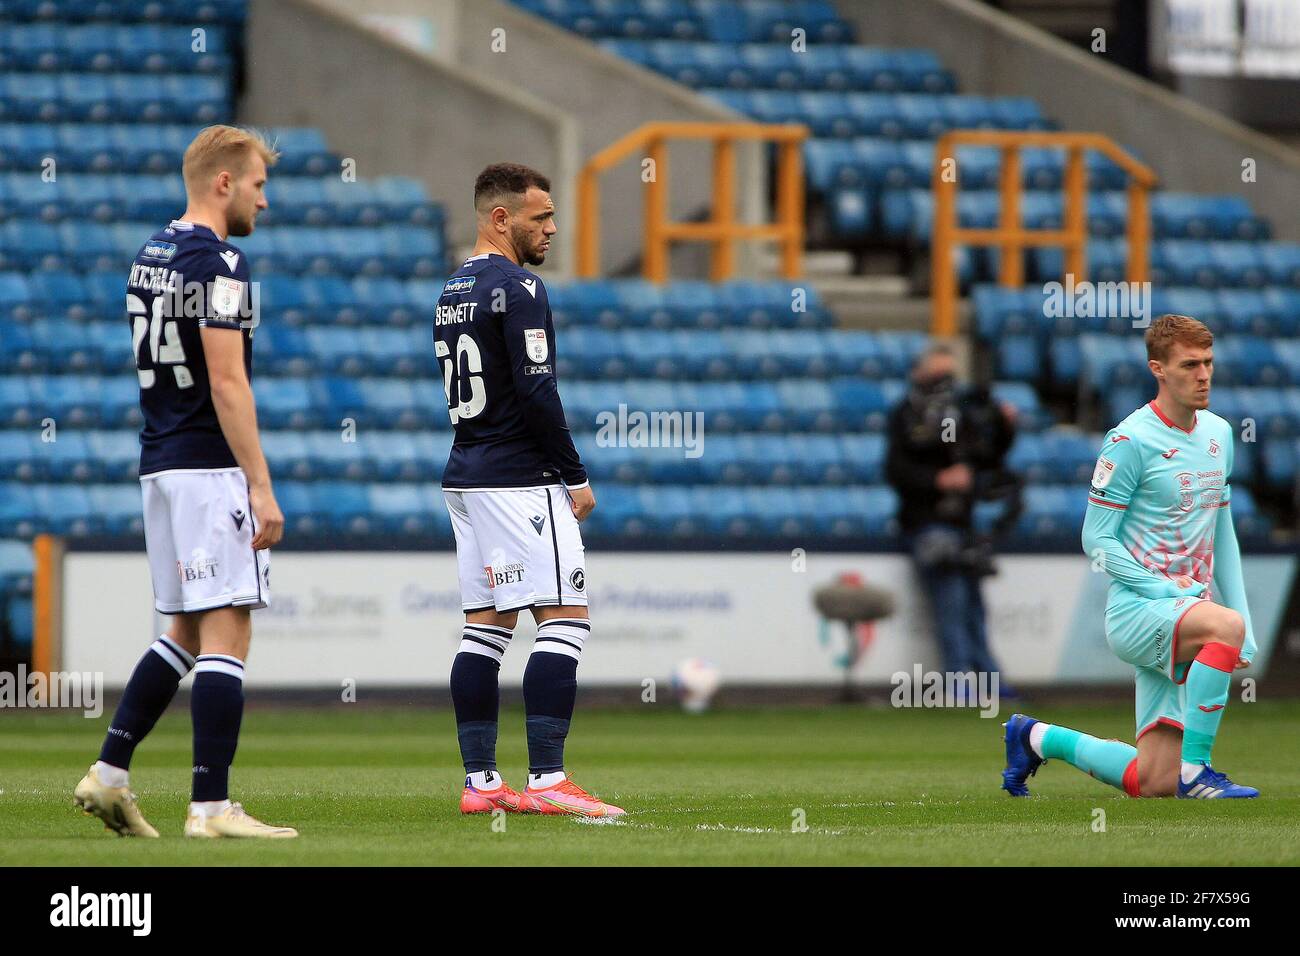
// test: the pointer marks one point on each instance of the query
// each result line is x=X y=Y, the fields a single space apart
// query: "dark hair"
x=504 y=184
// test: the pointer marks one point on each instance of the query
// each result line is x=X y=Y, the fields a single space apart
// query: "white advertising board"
x=391 y=619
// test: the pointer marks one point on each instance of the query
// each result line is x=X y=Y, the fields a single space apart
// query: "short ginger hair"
x=218 y=148
x=1168 y=329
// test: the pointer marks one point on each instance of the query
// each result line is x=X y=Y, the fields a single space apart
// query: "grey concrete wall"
x=611 y=97
x=448 y=112
x=1190 y=147
x=396 y=110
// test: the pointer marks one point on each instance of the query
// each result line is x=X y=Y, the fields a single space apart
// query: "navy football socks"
x=217 y=708
x=551 y=689
x=150 y=689
x=476 y=695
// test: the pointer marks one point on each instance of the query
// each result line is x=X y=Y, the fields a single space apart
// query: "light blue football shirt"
x=1170 y=484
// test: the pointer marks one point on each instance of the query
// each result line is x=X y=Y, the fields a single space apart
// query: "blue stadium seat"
x=21 y=621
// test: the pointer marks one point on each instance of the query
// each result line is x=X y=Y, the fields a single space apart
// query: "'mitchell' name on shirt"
x=184 y=278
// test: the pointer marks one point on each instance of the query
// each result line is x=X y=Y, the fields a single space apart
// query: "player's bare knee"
x=494 y=618
x=1230 y=628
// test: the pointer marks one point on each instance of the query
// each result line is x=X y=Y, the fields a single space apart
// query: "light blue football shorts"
x=1144 y=632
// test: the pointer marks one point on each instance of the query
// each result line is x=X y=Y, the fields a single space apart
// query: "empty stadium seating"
x=350 y=401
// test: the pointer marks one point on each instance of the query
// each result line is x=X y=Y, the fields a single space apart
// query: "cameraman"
x=947 y=443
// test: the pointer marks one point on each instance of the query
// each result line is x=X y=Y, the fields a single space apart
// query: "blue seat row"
x=402 y=250
x=595 y=354
x=125 y=11
x=324 y=401
x=722 y=21
x=1281 y=465
x=141 y=148
x=16 y=566
x=1114 y=363
x=910 y=213
x=1270 y=312
x=878 y=163
x=736 y=355
x=627 y=511
x=104 y=97
x=666 y=512
x=68 y=509
x=1058 y=512
x=333 y=299
x=895 y=116
x=64 y=345
x=293 y=199
x=108 y=47
x=1209 y=264
x=778 y=66
x=1119 y=359
x=20 y=619
x=1055 y=456
x=69 y=455
x=625 y=303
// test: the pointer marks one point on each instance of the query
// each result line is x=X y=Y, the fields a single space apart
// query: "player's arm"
x=232 y=397
x=1229 y=582
x=1116 y=478
x=539 y=394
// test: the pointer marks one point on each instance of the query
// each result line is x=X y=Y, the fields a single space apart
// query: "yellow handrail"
x=1009 y=235
x=720 y=230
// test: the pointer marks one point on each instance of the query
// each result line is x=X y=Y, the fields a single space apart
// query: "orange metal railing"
x=47 y=605
x=720 y=230
x=1009 y=235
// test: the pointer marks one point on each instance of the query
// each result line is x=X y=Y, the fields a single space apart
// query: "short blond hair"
x=218 y=148
x=1168 y=329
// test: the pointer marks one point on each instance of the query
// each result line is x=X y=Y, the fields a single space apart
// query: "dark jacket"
x=917 y=451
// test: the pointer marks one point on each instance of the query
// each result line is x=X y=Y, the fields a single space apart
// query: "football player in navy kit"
x=210 y=515
x=516 y=490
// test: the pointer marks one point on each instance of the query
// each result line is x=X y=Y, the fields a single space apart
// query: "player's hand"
x=1241 y=663
x=1185 y=581
x=582 y=501
x=267 y=514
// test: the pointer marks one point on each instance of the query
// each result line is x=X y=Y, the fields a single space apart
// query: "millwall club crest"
x=1214 y=448
x=535 y=344
x=1186 y=496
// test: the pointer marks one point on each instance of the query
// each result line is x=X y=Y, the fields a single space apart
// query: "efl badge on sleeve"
x=227 y=296
x=1101 y=475
x=535 y=344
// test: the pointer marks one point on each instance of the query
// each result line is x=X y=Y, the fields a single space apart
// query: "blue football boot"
x=1212 y=785
x=1022 y=762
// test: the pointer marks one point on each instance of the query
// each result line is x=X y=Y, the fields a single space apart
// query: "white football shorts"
x=198 y=532
x=517 y=548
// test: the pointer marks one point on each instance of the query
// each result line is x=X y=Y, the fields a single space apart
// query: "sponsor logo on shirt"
x=162 y=251
x=458 y=285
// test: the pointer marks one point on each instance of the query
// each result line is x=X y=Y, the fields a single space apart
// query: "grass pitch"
x=874 y=786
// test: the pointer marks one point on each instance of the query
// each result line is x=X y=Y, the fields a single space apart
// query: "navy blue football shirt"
x=182 y=279
x=495 y=344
